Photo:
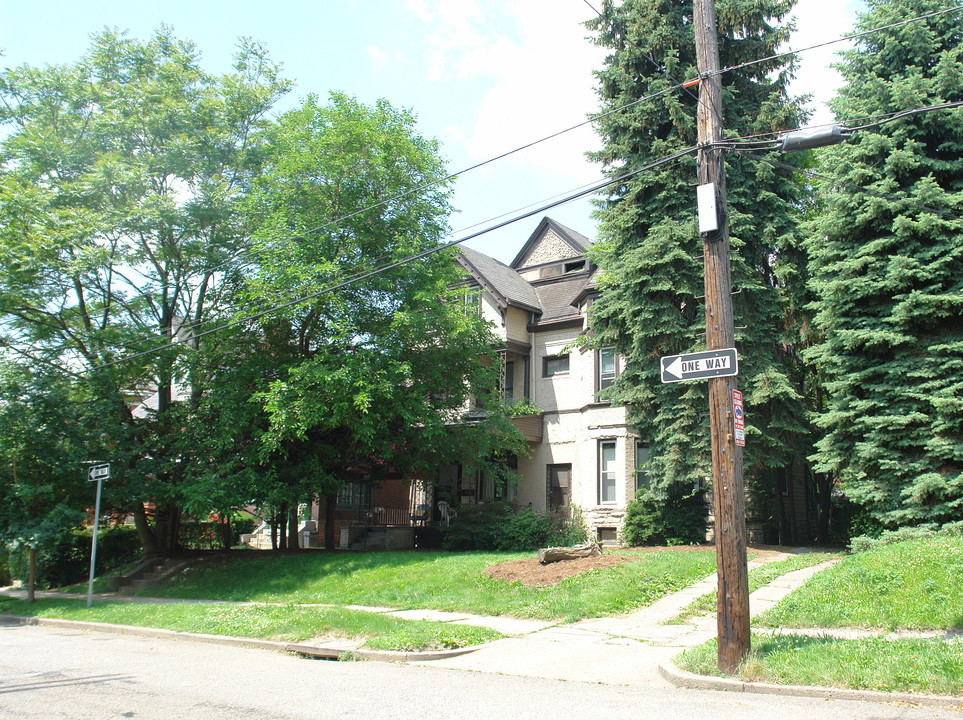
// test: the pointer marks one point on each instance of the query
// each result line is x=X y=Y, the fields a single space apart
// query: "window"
x=642 y=479
x=555 y=365
x=559 y=481
x=354 y=495
x=509 y=381
x=607 y=472
x=571 y=267
x=607 y=367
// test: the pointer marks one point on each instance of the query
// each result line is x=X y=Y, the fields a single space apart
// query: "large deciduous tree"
x=650 y=253
x=373 y=372
x=119 y=182
x=887 y=264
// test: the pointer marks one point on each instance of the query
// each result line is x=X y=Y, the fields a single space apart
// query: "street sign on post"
x=97 y=474
x=699 y=366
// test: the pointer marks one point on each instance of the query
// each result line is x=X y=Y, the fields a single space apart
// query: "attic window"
x=571 y=267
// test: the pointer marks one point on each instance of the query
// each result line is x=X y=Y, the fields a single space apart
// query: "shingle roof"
x=557 y=298
x=506 y=284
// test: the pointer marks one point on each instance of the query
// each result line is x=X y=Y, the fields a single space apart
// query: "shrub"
x=66 y=560
x=477 y=527
x=674 y=516
x=863 y=543
x=241 y=524
x=497 y=526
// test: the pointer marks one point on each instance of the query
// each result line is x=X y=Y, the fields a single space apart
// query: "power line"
x=412 y=258
x=590 y=120
x=845 y=38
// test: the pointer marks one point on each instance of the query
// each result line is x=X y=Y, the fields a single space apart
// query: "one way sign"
x=699 y=366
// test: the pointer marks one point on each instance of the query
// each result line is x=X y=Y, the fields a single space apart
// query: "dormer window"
x=576 y=266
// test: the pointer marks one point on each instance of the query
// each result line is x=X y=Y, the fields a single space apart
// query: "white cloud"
x=379 y=58
x=819 y=21
x=534 y=66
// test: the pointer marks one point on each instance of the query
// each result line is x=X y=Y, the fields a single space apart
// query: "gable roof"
x=575 y=240
x=505 y=285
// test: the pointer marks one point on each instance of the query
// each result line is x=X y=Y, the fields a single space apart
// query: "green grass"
x=916 y=666
x=287 y=623
x=438 y=581
x=758 y=577
x=914 y=584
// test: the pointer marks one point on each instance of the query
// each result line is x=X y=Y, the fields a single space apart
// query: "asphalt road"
x=53 y=673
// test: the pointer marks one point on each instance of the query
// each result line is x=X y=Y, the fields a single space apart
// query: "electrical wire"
x=411 y=258
x=728 y=144
x=845 y=38
x=946 y=214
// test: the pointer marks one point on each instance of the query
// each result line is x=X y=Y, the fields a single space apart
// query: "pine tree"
x=650 y=253
x=887 y=264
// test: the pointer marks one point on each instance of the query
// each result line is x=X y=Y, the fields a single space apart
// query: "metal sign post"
x=97 y=473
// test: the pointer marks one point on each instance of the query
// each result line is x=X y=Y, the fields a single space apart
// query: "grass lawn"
x=758 y=577
x=438 y=581
x=287 y=623
x=912 y=584
x=915 y=584
x=919 y=666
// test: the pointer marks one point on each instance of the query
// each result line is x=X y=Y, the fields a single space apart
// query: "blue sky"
x=483 y=76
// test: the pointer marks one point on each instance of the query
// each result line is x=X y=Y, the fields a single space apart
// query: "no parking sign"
x=738 y=418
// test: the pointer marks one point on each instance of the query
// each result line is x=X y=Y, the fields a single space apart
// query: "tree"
x=374 y=375
x=119 y=184
x=650 y=254
x=887 y=272
x=42 y=482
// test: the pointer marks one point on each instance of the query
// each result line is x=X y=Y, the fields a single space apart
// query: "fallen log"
x=559 y=554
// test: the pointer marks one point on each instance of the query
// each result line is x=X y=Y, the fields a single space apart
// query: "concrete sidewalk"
x=624 y=650
x=632 y=650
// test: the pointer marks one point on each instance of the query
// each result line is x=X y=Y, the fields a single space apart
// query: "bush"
x=918 y=532
x=66 y=561
x=676 y=517
x=477 y=527
x=497 y=526
x=241 y=524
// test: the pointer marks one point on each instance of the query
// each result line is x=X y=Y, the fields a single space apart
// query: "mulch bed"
x=531 y=572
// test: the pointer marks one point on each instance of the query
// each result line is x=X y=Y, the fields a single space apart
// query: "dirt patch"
x=531 y=572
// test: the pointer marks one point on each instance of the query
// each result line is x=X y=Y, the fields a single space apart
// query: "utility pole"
x=727 y=481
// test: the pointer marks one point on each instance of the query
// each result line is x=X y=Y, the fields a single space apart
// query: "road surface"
x=55 y=673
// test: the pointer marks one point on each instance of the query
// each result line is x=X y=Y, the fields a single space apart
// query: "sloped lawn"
x=439 y=581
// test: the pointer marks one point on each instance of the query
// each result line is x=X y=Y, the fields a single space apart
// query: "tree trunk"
x=224 y=529
x=824 y=489
x=31 y=574
x=293 y=527
x=330 y=505
x=274 y=532
x=144 y=533
x=281 y=520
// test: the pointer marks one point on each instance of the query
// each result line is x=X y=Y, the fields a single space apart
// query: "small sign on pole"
x=97 y=473
x=699 y=365
x=738 y=419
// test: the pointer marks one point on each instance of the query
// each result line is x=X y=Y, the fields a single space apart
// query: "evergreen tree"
x=887 y=266
x=650 y=253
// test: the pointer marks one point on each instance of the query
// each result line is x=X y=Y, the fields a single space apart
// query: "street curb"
x=683 y=679
x=315 y=651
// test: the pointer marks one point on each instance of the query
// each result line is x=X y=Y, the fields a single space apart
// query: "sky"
x=483 y=77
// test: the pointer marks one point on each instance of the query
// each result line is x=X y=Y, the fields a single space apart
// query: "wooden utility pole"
x=727 y=481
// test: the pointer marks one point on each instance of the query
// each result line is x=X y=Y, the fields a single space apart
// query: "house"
x=581 y=451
